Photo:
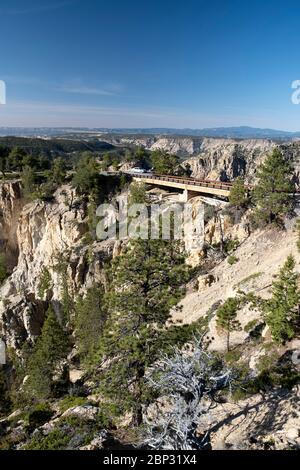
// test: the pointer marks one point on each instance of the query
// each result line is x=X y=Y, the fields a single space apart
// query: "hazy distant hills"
x=54 y=147
x=242 y=132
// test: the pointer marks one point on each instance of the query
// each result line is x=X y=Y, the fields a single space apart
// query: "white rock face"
x=259 y=259
x=225 y=159
x=256 y=422
x=11 y=205
x=197 y=146
x=86 y=412
x=40 y=234
x=44 y=234
x=216 y=158
x=45 y=231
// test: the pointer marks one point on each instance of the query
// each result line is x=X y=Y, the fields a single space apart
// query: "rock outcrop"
x=11 y=204
x=45 y=236
x=225 y=159
x=185 y=146
x=216 y=158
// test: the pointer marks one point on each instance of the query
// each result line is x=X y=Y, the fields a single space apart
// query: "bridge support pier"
x=187 y=195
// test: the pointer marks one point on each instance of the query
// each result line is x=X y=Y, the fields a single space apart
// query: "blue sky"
x=188 y=63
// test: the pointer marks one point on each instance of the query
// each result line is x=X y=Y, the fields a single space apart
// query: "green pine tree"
x=272 y=193
x=164 y=163
x=16 y=159
x=67 y=294
x=238 y=196
x=4 y=391
x=50 y=349
x=282 y=310
x=138 y=194
x=146 y=282
x=90 y=318
x=86 y=177
x=28 y=181
x=4 y=152
x=58 y=172
x=227 y=317
x=3 y=268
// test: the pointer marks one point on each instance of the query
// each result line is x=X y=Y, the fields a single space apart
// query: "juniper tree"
x=282 y=310
x=227 y=317
x=272 y=193
x=146 y=282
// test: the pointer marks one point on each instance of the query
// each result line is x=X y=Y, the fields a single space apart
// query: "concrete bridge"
x=191 y=187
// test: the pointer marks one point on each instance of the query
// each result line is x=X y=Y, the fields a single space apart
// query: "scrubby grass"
x=232 y=260
x=248 y=279
x=71 y=402
x=71 y=432
x=55 y=440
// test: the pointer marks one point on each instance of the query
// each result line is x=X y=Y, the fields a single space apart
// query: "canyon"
x=41 y=236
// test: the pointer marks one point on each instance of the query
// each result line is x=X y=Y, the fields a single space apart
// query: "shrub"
x=251 y=325
x=3 y=269
x=71 y=402
x=231 y=245
x=38 y=416
x=55 y=440
x=247 y=279
x=233 y=356
x=71 y=432
x=232 y=260
x=45 y=282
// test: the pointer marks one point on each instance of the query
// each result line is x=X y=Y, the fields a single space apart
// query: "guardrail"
x=188 y=181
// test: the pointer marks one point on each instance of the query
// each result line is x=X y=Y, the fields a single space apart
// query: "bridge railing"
x=188 y=181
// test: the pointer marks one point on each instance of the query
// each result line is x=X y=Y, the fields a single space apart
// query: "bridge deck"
x=215 y=188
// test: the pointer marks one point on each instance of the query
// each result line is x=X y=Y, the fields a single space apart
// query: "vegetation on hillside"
x=145 y=283
x=273 y=193
x=120 y=331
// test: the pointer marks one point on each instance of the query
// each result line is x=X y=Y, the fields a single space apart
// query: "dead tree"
x=188 y=383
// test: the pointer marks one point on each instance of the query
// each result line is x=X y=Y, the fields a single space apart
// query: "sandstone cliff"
x=50 y=235
x=216 y=158
x=44 y=235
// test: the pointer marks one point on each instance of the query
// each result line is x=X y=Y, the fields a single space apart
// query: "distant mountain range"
x=242 y=132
